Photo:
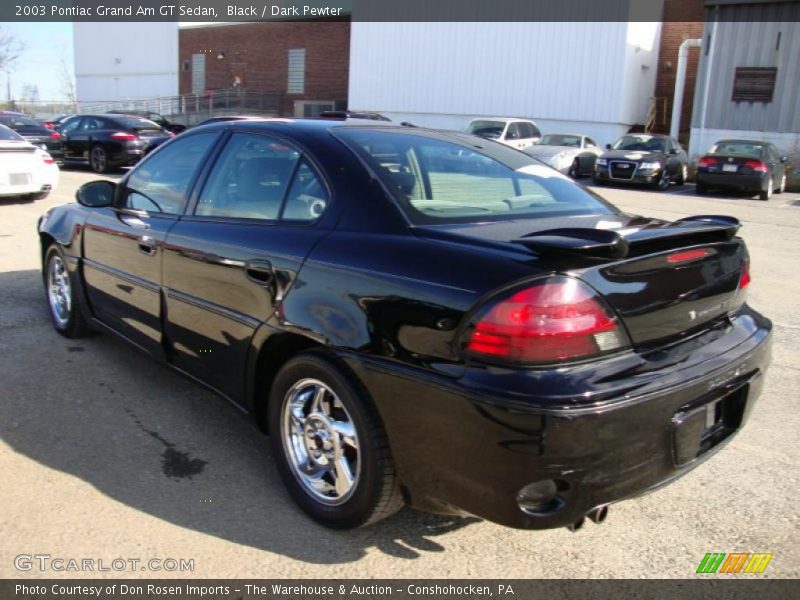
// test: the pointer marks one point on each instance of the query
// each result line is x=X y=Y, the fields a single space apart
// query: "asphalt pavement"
x=106 y=455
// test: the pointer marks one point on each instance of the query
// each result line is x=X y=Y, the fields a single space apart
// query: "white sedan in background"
x=25 y=171
x=572 y=154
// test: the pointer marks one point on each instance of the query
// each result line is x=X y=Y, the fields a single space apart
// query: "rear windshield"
x=643 y=143
x=17 y=121
x=137 y=123
x=441 y=178
x=738 y=148
x=7 y=134
x=487 y=129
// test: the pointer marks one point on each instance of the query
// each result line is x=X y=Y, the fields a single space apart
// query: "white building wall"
x=585 y=76
x=125 y=61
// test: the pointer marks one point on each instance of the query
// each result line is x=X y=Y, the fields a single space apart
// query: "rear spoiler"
x=605 y=243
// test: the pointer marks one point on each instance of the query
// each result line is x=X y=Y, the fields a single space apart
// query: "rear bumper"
x=753 y=182
x=608 y=431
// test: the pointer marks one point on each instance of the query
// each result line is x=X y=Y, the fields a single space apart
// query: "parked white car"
x=517 y=133
x=572 y=154
x=26 y=171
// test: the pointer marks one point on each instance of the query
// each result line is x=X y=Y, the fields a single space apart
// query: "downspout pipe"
x=680 y=84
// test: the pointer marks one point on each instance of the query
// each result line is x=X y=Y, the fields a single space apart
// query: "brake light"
x=558 y=319
x=48 y=160
x=686 y=256
x=55 y=136
x=124 y=136
x=756 y=165
x=745 y=278
x=706 y=161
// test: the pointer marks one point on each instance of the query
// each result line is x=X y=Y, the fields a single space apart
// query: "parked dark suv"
x=108 y=141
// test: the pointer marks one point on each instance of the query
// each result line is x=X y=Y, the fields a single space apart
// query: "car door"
x=513 y=136
x=68 y=143
x=228 y=264
x=123 y=244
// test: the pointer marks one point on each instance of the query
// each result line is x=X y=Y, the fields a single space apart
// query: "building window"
x=754 y=84
x=187 y=66
x=297 y=71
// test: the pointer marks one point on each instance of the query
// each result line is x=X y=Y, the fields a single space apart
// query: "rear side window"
x=7 y=134
x=249 y=179
x=436 y=180
x=160 y=183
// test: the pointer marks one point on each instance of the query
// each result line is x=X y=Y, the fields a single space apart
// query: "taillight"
x=744 y=280
x=756 y=165
x=706 y=161
x=55 y=136
x=555 y=320
x=48 y=160
x=124 y=136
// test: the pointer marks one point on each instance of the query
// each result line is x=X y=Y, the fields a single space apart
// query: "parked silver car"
x=572 y=154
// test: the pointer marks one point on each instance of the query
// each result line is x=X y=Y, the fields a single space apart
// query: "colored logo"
x=737 y=562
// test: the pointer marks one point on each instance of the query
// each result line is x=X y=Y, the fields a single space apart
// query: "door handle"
x=147 y=245
x=259 y=271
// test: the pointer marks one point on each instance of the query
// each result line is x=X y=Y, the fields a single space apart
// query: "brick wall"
x=673 y=32
x=257 y=53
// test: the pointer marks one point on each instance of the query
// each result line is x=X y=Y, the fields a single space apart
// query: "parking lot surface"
x=104 y=454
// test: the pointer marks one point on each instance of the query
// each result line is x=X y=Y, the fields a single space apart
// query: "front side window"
x=436 y=180
x=160 y=183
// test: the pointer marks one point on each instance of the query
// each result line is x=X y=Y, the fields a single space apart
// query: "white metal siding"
x=570 y=72
x=121 y=61
x=750 y=44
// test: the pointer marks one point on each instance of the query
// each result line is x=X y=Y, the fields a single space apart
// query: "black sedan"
x=420 y=317
x=105 y=142
x=744 y=166
x=33 y=132
x=643 y=158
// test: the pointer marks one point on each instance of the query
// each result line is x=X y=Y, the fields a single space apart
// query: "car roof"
x=309 y=124
x=503 y=119
x=739 y=141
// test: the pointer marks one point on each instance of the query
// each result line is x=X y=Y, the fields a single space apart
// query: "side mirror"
x=784 y=159
x=608 y=146
x=96 y=194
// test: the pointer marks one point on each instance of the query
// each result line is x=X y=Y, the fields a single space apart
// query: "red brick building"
x=304 y=64
x=674 y=30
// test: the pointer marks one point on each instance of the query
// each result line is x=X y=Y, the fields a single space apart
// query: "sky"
x=39 y=65
x=44 y=43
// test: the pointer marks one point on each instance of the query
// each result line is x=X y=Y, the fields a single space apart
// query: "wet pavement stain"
x=75 y=349
x=174 y=463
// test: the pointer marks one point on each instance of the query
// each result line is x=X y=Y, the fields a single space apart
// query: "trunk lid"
x=664 y=279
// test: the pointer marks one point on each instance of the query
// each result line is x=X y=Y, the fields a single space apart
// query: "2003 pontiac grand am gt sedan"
x=420 y=317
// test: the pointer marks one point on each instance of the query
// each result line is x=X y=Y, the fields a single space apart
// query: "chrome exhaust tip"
x=576 y=525
x=598 y=514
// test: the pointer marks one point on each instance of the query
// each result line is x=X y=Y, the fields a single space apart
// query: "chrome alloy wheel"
x=320 y=441
x=59 y=291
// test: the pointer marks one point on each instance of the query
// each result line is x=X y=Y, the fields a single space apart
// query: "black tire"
x=69 y=322
x=681 y=179
x=700 y=189
x=40 y=195
x=662 y=185
x=782 y=186
x=766 y=194
x=575 y=169
x=375 y=492
x=98 y=159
